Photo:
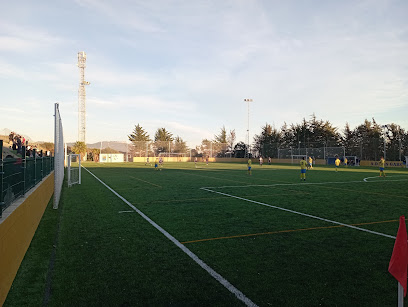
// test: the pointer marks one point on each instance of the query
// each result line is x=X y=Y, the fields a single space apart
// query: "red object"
x=399 y=259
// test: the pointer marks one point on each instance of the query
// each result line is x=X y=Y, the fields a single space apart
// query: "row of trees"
x=367 y=141
x=164 y=142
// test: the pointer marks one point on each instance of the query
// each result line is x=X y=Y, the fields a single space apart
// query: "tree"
x=350 y=142
x=93 y=154
x=109 y=150
x=394 y=138
x=222 y=137
x=205 y=148
x=163 y=140
x=79 y=148
x=179 y=145
x=368 y=136
x=220 y=146
x=240 y=150
x=139 y=139
x=267 y=143
x=231 y=139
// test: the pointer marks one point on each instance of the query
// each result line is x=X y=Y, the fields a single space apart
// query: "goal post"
x=74 y=169
x=352 y=161
x=297 y=158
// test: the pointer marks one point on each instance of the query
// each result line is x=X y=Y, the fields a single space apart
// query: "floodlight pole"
x=249 y=146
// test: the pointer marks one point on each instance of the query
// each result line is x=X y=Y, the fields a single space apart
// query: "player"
x=345 y=161
x=161 y=162
x=337 y=163
x=303 y=167
x=206 y=160
x=310 y=164
x=249 y=167
x=260 y=161
x=148 y=161
x=269 y=160
x=382 y=166
x=156 y=164
x=195 y=162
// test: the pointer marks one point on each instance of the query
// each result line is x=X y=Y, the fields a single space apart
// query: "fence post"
x=23 y=166
x=35 y=166
x=42 y=164
x=1 y=179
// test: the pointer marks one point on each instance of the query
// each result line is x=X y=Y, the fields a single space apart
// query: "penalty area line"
x=303 y=214
x=238 y=294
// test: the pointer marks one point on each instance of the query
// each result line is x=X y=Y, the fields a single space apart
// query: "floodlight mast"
x=82 y=97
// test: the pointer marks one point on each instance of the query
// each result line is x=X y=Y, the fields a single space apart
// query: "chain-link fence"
x=273 y=151
x=18 y=174
x=180 y=149
x=373 y=150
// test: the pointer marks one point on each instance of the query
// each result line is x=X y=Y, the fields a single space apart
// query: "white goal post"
x=297 y=158
x=74 y=169
x=352 y=161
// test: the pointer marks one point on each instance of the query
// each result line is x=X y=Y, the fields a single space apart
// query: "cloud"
x=143 y=103
x=12 y=110
x=25 y=39
x=130 y=15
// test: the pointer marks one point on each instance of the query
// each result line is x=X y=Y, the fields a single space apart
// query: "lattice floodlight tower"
x=81 y=96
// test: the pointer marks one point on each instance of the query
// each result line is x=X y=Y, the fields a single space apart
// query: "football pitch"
x=212 y=235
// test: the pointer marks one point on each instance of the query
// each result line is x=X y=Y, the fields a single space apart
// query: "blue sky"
x=188 y=65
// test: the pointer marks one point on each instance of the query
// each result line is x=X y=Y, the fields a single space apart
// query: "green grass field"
x=107 y=254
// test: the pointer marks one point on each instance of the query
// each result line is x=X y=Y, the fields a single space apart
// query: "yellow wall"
x=17 y=231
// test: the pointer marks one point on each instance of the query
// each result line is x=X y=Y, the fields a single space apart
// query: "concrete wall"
x=17 y=230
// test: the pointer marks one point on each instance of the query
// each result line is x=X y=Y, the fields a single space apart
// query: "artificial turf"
x=107 y=254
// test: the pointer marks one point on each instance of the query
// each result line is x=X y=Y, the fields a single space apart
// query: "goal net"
x=352 y=161
x=74 y=169
x=297 y=158
x=58 y=156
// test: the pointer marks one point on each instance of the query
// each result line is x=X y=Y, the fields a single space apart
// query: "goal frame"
x=298 y=157
x=70 y=182
x=352 y=158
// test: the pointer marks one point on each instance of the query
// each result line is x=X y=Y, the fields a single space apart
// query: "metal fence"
x=372 y=149
x=20 y=174
x=273 y=151
x=180 y=149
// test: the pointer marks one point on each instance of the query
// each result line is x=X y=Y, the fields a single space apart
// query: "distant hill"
x=119 y=146
x=6 y=132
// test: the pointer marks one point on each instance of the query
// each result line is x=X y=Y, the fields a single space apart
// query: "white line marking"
x=301 y=183
x=365 y=179
x=126 y=211
x=193 y=256
x=300 y=213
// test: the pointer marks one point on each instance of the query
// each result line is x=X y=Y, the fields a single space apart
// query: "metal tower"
x=81 y=96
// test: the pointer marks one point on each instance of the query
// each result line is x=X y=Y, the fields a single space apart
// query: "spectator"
x=11 y=137
x=19 y=144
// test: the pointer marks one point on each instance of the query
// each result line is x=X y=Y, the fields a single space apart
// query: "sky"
x=187 y=66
